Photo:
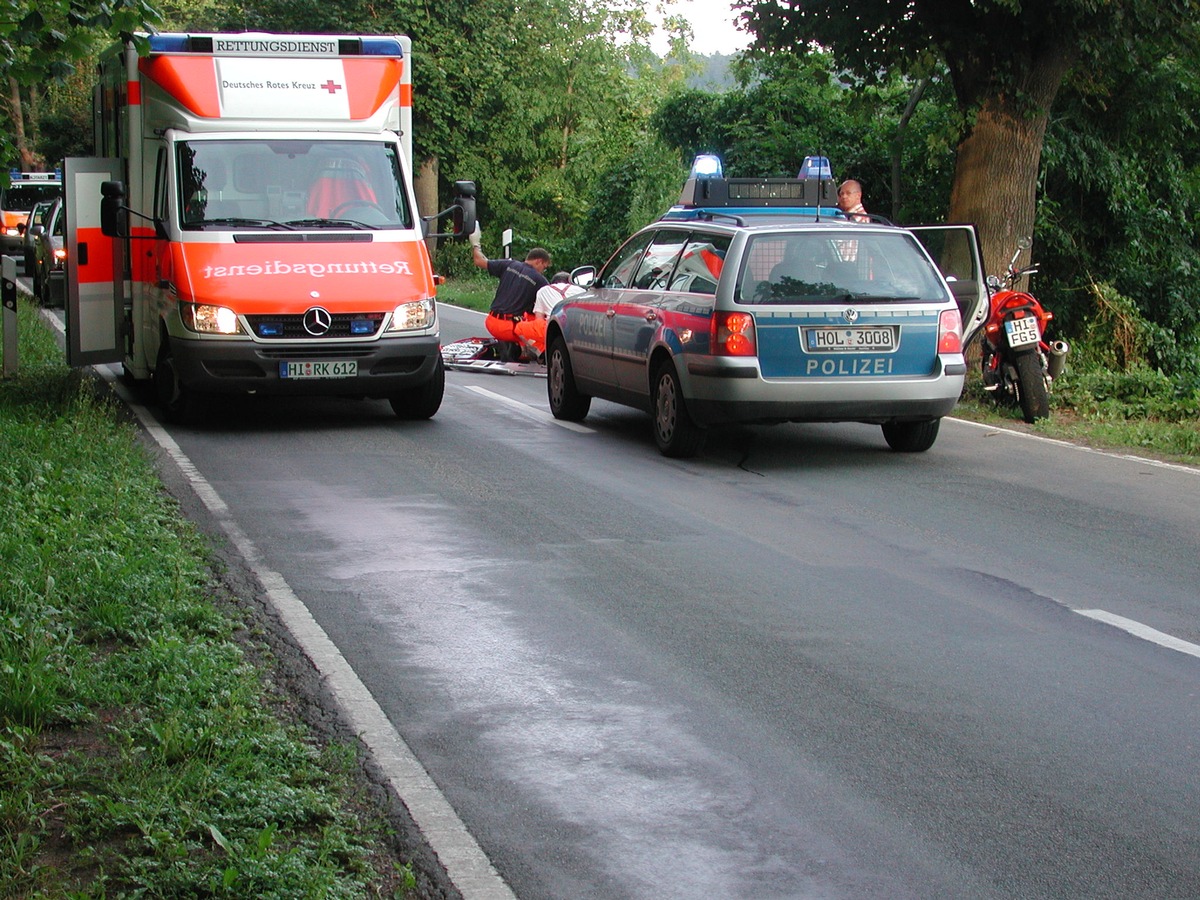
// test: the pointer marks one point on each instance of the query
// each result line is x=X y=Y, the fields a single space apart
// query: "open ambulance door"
x=95 y=296
x=955 y=249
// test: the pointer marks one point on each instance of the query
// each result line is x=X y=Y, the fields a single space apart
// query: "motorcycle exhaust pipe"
x=1057 y=361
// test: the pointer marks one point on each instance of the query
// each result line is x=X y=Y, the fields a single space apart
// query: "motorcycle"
x=1019 y=364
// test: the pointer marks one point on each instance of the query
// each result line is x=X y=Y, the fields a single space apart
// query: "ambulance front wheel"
x=180 y=404
x=424 y=400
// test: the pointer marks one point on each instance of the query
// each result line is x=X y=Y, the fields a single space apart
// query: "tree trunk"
x=995 y=179
x=425 y=186
x=25 y=155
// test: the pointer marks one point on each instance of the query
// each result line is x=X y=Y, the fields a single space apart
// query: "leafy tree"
x=786 y=106
x=1006 y=60
x=40 y=41
x=533 y=103
x=1120 y=201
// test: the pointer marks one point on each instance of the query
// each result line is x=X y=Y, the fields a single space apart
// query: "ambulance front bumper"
x=376 y=369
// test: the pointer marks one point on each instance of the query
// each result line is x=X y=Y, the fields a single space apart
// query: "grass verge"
x=144 y=747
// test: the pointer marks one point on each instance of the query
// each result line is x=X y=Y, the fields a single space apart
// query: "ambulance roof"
x=289 y=45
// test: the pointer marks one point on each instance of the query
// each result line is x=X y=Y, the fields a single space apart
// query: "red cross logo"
x=331 y=87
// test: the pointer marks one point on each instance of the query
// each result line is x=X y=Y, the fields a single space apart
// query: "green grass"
x=474 y=292
x=1152 y=423
x=142 y=748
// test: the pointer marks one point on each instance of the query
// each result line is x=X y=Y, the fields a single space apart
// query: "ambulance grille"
x=291 y=328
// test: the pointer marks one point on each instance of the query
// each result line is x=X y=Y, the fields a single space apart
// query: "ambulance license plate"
x=331 y=368
x=1022 y=331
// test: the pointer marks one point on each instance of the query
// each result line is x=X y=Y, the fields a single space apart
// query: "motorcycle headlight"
x=413 y=316
x=206 y=318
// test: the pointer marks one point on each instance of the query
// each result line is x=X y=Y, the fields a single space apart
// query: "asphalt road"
x=799 y=665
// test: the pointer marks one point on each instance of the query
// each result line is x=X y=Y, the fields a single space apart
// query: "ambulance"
x=24 y=191
x=250 y=225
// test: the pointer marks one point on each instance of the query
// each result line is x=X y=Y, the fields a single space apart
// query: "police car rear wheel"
x=566 y=402
x=675 y=433
x=911 y=437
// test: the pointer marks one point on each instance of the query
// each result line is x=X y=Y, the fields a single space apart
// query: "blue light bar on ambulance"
x=707 y=165
x=288 y=45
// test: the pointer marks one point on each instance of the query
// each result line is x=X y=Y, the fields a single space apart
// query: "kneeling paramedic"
x=515 y=294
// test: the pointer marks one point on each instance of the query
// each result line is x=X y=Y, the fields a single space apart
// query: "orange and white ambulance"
x=251 y=227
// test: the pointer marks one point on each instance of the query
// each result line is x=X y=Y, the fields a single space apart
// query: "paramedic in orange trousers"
x=515 y=294
x=532 y=332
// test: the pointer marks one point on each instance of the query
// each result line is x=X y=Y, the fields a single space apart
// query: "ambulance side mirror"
x=114 y=220
x=464 y=209
x=461 y=214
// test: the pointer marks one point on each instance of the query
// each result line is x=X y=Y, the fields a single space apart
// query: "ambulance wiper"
x=329 y=223
x=245 y=223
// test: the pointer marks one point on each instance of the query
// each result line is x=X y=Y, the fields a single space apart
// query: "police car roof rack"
x=711 y=215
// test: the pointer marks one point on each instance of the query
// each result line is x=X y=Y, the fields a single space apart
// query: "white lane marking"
x=1145 y=632
x=525 y=409
x=463 y=859
x=1129 y=457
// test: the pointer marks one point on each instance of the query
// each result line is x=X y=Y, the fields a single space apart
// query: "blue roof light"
x=707 y=165
x=816 y=167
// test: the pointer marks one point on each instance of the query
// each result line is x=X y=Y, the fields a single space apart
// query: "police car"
x=758 y=301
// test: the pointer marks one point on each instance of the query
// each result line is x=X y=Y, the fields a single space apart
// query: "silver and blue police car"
x=757 y=301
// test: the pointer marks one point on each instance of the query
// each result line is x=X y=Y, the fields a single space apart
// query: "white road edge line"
x=1129 y=457
x=1145 y=632
x=467 y=865
x=526 y=410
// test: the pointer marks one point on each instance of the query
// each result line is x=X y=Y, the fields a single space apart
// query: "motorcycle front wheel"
x=1031 y=387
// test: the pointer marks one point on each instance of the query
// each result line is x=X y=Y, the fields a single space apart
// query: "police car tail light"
x=733 y=334
x=950 y=332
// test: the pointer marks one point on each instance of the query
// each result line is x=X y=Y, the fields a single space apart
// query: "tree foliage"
x=40 y=42
x=1120 y=200
x=1006 y=60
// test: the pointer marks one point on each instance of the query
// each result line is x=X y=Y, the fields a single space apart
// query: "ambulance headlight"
x=707 y=165
x=206 y=318
x=413 y=316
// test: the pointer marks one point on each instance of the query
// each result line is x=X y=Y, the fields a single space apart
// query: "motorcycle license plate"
x=324 y=369
x=1022 y=331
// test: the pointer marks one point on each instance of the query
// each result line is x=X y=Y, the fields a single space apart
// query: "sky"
x=712 y=25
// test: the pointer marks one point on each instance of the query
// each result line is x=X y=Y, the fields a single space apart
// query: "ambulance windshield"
x=288 y=184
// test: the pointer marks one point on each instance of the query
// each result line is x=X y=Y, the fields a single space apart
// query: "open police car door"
x=955 y=249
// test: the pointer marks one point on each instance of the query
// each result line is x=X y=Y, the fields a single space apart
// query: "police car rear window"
x=833 y=267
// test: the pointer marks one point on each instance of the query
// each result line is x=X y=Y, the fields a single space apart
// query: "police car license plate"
x=1022 y=331
x=331 y=368
x=848 y=340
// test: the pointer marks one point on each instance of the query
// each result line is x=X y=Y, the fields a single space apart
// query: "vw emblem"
x=850 y=315
x=317 y=321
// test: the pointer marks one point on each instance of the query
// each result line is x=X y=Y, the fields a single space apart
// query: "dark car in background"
x=35 y=224
x=50 y=258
